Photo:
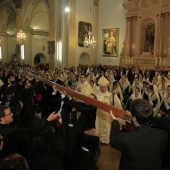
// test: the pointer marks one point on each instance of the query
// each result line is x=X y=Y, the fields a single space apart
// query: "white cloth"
x=103 y=119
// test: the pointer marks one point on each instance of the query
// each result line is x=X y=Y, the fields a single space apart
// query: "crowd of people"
x=40 y=122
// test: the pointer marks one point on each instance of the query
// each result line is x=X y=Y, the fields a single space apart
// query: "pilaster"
x=53 y=4
x=128 y=36
x=72 y=32
x=95 y=29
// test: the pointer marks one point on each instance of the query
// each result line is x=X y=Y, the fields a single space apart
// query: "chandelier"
x=89 y=41
x=21 y=36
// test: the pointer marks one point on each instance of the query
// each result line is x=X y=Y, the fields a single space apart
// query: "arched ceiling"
x=3 y=2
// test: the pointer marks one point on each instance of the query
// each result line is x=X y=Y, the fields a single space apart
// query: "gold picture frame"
x=83 y=29
x=110 y=42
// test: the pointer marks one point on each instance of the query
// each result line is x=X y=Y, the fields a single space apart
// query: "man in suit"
x=16 y=137
x=144 y=147
x=87 y=118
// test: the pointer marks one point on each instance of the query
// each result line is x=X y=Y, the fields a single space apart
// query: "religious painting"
x=83 y=29
x=51 y=47
x=110 y=42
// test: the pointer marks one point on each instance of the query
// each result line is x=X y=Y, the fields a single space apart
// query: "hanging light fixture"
x=89 y=41
x=21 y=36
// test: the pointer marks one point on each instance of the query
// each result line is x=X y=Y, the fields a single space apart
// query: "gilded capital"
x=129 y=19
x=96 y=3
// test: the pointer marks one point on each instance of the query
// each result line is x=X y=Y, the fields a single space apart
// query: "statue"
x=149 y=38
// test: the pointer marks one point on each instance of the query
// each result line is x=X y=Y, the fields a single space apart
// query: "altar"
x=147 y=40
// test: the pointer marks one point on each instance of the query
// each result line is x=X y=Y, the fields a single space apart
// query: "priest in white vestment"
x=103 y=119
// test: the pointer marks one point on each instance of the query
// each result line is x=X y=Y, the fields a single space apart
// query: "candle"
x=156 y=62
x=160 y=62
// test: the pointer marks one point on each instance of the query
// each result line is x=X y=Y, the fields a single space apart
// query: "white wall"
x=111 y=15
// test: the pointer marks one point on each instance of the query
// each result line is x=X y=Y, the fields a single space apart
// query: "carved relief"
x=149 y=4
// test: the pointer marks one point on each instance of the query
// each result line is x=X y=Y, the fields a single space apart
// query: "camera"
x=1 y=138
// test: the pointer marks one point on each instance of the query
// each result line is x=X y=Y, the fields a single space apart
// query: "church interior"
x=55 y=36
x=66 y=33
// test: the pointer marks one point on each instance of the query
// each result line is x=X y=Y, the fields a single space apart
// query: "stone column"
x=168 y=54
x=53 y=4
x=64 y=31
x=18 y=11
x=95 y=30
x=168 y=50
x=27 y=47
x=72 y=32
x=159 y=36
x=128 y=37
x=4 y=47
x=138 y=38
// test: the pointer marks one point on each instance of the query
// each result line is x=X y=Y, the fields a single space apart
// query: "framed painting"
x=51 y=47
x=83 y=29
x=110 y=42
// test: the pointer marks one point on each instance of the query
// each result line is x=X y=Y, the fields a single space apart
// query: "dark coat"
x=15 y=139
x=142 y=149
x=164 y=124
x=87 y=118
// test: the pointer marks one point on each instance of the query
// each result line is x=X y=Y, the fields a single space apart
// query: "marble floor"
x=109 y=158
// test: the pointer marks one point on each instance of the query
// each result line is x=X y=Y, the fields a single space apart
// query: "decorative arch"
x=148 y=35
x=29 y=8
x=84 y=59
x=39 y=58
x=145 y=22
x=8 y=16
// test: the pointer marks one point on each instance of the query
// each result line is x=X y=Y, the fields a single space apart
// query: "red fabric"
x=38 y=96
x=128 y=127
x=58 y=121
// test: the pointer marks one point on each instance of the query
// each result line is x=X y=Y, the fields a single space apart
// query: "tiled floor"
x=109 y=158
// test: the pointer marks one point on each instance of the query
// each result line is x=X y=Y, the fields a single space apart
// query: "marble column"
x=160 y=40
x=95 y=30
x=168 y=50
x=28 y=59
x=4 y=45
x=64 y=33
x=138 y=37
x=18 y=11
x=52 y=31
x=128 y=36
x=72 y=32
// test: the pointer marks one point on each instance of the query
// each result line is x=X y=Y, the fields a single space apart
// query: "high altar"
x=147 y=33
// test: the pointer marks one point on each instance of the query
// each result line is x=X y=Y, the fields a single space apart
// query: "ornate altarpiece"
x=147 y=33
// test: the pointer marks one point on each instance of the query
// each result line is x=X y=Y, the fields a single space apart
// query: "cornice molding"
x=137 y=7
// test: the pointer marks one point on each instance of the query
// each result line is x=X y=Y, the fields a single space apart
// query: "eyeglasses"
x=8 y=114
x=82 y=77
